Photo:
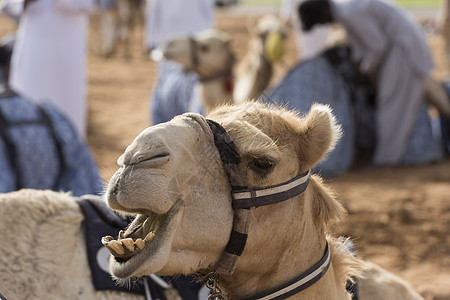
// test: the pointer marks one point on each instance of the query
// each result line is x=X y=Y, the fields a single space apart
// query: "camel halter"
x=243 y=198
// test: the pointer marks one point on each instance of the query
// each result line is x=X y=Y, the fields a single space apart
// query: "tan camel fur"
x=255 y=71
x=172 y=178
x=209 y=55
x=43 y=253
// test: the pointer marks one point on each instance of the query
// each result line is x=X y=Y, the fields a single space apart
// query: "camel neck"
x=216 y=92
x=247 y=285
x=299 y=283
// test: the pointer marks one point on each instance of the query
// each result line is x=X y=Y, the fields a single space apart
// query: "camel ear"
x=318 y=134
x=226 y=38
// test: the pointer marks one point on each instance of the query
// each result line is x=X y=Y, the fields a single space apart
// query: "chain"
x=211 y=281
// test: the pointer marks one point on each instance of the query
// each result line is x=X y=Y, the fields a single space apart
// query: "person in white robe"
x=309 y=43
x=389 y=46
x=167 y=17
x=49 y=58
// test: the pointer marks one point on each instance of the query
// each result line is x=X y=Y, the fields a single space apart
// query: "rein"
x=243 y=198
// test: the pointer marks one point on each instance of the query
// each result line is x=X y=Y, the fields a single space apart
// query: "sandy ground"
x=399 y=218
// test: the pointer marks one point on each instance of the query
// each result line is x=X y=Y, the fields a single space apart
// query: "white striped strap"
x=254 y=197
x=300 y=283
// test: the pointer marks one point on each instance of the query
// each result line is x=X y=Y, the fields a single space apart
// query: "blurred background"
x=399 y=217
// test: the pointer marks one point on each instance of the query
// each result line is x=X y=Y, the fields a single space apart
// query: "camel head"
x=271 y=32
x=208 y=53
x=172 y=178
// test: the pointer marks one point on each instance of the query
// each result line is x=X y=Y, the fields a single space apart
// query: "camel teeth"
x=128 y=243
x=117 y=247
x=107 y=239
x=110 y=249
x=149 y=236
x=140 y=243
x=121 y=234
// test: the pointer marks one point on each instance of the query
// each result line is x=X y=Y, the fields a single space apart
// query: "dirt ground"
x=399 y=218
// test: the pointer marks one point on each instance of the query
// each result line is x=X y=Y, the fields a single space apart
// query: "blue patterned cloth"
x=40 y=149
x=174 y=93
x=318 y=80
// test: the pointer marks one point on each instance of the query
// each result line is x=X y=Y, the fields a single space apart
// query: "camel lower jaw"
x=144 y=248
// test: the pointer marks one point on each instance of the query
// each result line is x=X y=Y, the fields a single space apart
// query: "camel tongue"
x=126 y=247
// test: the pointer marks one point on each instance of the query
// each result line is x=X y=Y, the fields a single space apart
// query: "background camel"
x=254 y=72
x=44 y=253
x=218 y=82
x=172 y=177
x=209 y=55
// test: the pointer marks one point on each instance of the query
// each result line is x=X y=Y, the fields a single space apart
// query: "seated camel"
x=267 y=238
x=207 y=54
x=210 y=56
x=266 y=45
x=45 y=256
x=54 y=251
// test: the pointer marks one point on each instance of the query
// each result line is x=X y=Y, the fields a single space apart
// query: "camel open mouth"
x=131 y=242
x=145 y=237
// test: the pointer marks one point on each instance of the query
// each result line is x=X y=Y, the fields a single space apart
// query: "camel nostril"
x=115 y=190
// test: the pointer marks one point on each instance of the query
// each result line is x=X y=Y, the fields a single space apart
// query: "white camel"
x=43 y=253
x=209 y=55
x=266 y=46
x=176 y=177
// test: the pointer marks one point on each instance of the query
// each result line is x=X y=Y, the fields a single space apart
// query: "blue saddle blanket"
x=40 y=149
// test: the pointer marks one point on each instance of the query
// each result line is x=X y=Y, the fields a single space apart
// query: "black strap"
x=286 y=192
x=236 y=243
x=224 y=144
x=299 y=283
x=194 y=57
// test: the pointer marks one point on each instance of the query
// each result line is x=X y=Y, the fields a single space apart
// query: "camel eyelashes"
x=262 y=166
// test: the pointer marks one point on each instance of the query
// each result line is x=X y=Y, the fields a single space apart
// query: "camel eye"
x=262 y=166
x=204 y=48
